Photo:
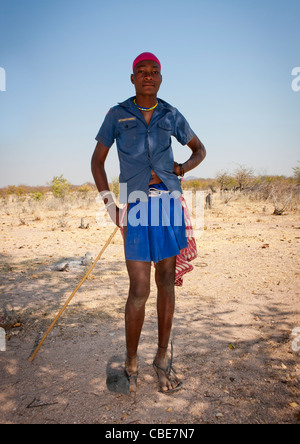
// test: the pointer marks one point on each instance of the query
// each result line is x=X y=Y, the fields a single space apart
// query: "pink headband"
x=145 y=56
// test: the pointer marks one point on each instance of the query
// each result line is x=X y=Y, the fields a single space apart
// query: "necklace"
x=145 y=109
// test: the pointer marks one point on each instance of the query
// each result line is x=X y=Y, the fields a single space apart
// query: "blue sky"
x=226 y=64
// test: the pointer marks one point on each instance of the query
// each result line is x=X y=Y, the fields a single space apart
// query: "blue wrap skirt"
x=156 y=229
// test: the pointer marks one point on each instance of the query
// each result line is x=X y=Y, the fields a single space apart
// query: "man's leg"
x=139 y=291
x=165 y=281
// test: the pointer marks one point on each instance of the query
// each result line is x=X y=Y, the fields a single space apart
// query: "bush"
x=297 y=173
x=17 y=191
x=115 y=186
x=37 y=196
x=60 y=187
x=84 y=189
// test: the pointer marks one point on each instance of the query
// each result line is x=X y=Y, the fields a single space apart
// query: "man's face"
x=147 y=78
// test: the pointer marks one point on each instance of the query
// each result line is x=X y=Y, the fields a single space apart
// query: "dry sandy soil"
x=233 y=331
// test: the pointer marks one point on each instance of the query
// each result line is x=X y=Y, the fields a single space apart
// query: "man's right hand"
x=114 y=213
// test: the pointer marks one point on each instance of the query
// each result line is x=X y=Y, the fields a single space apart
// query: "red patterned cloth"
x=187 y=255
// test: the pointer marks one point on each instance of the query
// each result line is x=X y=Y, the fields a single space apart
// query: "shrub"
x=60 y=187
x=297 y=173
x=37 y=196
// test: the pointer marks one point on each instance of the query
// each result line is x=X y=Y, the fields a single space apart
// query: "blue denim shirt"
x=142 y=148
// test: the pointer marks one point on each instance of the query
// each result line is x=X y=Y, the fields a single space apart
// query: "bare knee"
x=165 y=277
x=139 y=275
x=139 y=293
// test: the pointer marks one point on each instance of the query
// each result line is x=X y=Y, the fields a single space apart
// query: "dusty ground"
x=233 y=331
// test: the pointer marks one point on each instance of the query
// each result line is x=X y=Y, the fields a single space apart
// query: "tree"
x=243 y=176
x=297 y=173
x=225 y=181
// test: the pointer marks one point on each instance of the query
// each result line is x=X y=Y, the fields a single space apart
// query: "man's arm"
x=199 y=154
x=100 y=177
x=98 y=170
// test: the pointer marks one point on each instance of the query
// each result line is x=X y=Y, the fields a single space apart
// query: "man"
x=142 y=126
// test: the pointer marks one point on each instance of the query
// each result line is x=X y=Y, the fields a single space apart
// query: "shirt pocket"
x=164 y=133
x=127 y=133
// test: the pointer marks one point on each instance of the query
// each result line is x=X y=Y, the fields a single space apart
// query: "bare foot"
x=131 y=370
x=168 y=380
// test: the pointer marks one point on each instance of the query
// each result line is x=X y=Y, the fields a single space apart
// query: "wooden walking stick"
x=31 y=359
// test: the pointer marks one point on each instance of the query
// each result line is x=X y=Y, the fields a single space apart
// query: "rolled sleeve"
x=107 y=132
x=183 y=132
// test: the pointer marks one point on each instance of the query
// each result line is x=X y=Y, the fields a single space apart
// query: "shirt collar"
x=162 y=108
x=129 y=102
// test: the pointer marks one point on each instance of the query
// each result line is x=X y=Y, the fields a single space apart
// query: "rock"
x=63 y=266
x=116 y=380
x=88 y=258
